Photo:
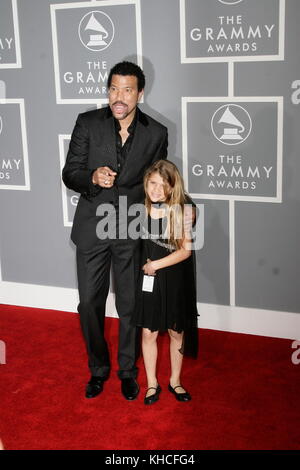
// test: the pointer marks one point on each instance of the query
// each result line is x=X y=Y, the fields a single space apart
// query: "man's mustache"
x=119 y=102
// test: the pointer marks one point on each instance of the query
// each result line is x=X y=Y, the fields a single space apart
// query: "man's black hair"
x=128 y=68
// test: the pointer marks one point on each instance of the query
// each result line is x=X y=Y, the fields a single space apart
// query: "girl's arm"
x=179 y=255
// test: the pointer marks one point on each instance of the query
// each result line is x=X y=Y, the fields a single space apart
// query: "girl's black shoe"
x=154 y=397
x=184 y=396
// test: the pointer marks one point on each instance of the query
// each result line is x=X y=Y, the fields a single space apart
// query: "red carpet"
x=245 y=392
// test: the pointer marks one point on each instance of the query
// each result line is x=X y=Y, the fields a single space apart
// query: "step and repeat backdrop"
x=224 y=77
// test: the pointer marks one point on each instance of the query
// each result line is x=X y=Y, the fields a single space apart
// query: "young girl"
x=166 y=298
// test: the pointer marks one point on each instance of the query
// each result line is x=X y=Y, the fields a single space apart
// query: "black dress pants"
x=93 y=271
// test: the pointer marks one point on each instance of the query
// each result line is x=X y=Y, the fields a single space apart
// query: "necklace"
x=157 y=205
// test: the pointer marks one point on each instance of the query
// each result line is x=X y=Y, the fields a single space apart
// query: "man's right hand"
x=104 y=177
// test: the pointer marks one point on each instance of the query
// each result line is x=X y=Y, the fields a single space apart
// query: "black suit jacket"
x=93 y=144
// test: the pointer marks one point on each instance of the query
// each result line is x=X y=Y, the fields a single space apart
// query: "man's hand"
x=104 y=177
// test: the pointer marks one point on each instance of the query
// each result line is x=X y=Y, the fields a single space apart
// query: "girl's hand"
x=148 y=268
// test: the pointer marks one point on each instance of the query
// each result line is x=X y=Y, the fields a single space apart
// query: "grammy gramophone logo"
x=231 y=124
x=230 y=2
x=96 y=31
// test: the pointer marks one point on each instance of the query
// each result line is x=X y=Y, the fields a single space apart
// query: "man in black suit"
x=110 y=150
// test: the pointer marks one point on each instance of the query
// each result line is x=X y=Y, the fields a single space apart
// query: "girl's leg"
x=176 y=359
x=149 y=347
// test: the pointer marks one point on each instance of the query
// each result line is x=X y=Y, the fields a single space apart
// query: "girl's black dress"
x=172 y=304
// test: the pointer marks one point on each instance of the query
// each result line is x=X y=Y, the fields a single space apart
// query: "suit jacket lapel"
x=105 y=137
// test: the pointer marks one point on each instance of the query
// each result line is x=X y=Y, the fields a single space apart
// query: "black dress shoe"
x=130 y=388
x=183 y=396
x=154 y=397
x=94 y=387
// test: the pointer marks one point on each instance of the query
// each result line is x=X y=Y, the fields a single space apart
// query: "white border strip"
x=252 y=321
x=255 y=58
x=18 y=63
x=231 y=218
x=63 y=6
x=235 y=99
x=21 y=103
x=46 y=297
x=61 y=141
x=17 y=34
x=230 y=78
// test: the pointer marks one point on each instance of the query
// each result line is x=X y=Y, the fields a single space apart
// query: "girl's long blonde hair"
x=175 y=199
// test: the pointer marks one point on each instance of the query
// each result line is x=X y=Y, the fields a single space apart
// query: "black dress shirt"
x=123 y=150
